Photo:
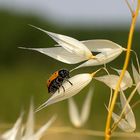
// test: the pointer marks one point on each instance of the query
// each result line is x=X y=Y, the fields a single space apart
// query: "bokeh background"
x=23 y=73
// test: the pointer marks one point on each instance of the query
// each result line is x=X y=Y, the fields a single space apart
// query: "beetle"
x=56 y=80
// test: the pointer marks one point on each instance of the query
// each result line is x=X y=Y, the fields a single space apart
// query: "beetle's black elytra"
x=56 y=80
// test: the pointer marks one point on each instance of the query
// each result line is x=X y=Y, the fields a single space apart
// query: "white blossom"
x=79 y=119
x=70 y=44
x=72 y=51
x=60 y=54
x=108 y=52
x=136 y=76
x=78 y=83
x=127 y=123
x=15 y=132
x=127 y=77
x=21 y=132
x=111 y=80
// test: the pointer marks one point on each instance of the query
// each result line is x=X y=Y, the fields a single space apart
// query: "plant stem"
x=115 y=95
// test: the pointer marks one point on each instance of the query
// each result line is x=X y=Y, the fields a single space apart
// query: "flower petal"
x=70 y=44
x=59 y=54
x=127 y=78
x=129 y=115
x=29 y=131
x=102 y=58
x=123 y=124
x=128 y=123
x=79 y=82
x=101 y=45
x=77 y=119
x=111 y=81
x=15 y=132
x=73 y=113
x=86 y=106
x=136 y=76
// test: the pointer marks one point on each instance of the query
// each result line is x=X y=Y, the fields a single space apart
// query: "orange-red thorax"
x=53 y=76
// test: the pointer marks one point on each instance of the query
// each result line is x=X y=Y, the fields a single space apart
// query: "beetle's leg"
x=63 y=88
x=69 y=81
x=58 y=90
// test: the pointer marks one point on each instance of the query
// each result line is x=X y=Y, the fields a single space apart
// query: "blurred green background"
x=23 y=73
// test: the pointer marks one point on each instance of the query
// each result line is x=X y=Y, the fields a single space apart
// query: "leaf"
x=59 y=54
x=111 y=81
x=136 y=76
x=70 y=44
x=79 y=82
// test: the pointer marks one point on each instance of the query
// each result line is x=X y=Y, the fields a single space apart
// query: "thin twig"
x=130 y=8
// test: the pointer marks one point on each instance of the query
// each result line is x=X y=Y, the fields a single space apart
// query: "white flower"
x=42 y=130
x=20 y=132
x=29 y=129
x=60 y=54
x=70 y=44
x=15 y=132
x=73 y=51
x=136 y=76
x=128 y=123
x=127 y=77
x=79 y=82
x=77 y=119
x=111 y=80
x=109 y=51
